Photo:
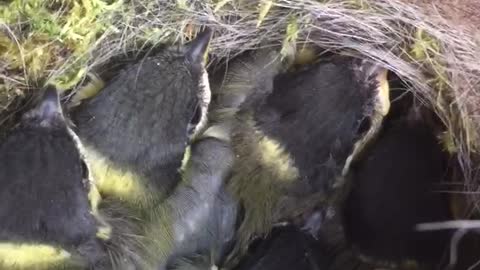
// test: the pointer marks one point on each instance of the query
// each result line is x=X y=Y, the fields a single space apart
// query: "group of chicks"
x=294 y=169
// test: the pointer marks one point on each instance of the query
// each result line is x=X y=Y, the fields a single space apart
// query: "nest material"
x=62 y=41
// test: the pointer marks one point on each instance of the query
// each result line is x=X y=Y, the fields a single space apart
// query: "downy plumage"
x=292 y=133
x=136 y=132
x=48 y=215
x=395 y=186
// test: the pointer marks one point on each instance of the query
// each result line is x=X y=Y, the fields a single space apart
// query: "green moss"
x=182 y=4
x=448 y=142
x=42 y=36
x=263 y=9
x=291 y=37
x=426 y=50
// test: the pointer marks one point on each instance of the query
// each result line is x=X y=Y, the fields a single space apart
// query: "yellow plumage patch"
x=104 y=231
x=383 y=92
x=262 y=176
x=89 y=90
x=111 y=180
x=154 y=235
x=186 y=157
x=382 y=107
x=94 y=198
x=32 y=256
x=274 y=157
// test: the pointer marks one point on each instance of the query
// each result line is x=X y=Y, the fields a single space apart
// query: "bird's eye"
x=364 y=126
x=195 y=120
x=197 y=115
x=85 y=174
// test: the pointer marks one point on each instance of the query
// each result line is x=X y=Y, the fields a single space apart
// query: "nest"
x=62 y=42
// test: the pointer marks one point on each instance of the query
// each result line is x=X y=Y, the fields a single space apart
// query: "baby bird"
x=47 y=220
x=292 y=142
x=393 y=189
x=136 y=129
x=135 y=132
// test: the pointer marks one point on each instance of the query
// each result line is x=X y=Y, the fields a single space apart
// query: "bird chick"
x=136 y=129
x=135 y=132
x=292 y=143
x=47 y=215
x=393 y=189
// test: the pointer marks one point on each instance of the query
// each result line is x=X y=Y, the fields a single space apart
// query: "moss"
x=291 y=37
x=42 y=37
x=263 y=9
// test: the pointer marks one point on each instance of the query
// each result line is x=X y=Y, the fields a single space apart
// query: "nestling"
x=394 y=187
x=292 y=140
x=136 y=132
x=48 y=218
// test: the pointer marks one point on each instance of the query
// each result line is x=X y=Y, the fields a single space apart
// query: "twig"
x=449 y=225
